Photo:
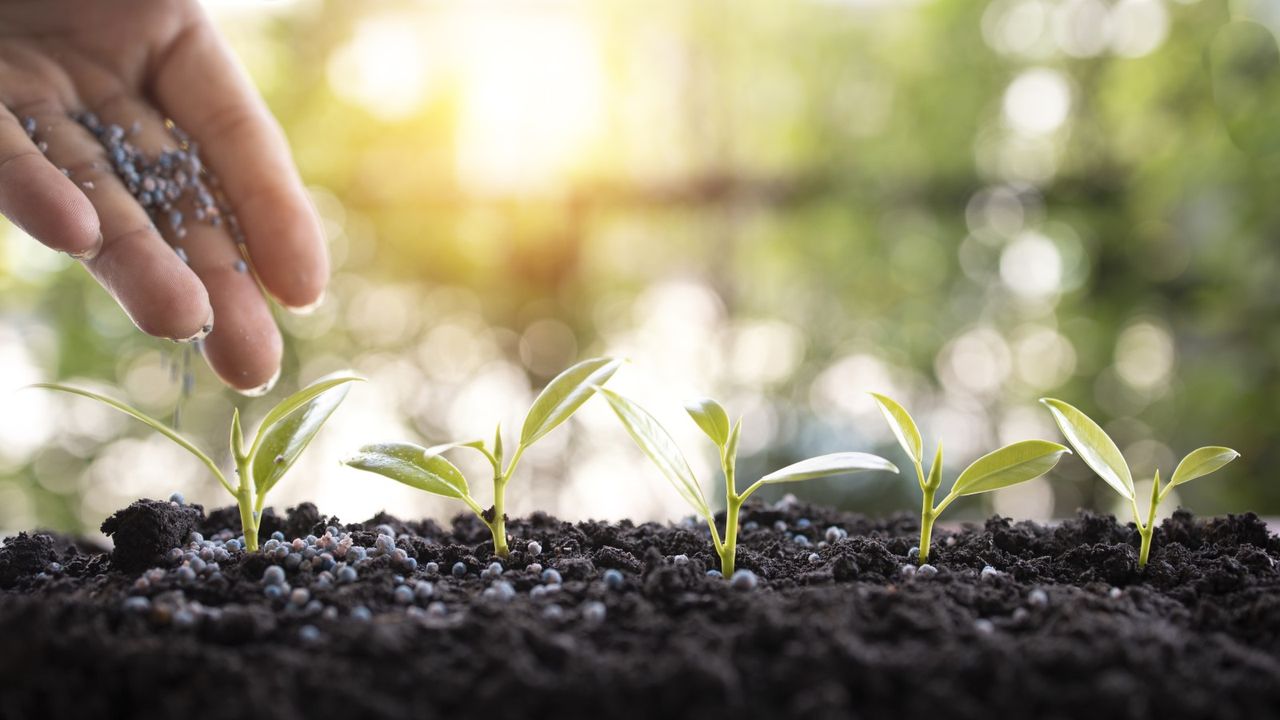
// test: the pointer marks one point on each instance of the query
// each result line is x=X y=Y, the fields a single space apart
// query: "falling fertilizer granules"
x=161 y=183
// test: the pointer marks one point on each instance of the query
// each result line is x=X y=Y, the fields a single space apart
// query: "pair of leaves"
x=1010 y=465
x=1100 y=453
x=661 y=448
x=426 y=469
x=285 y=432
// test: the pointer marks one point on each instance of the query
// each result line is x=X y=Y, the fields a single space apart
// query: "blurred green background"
x=967 y=205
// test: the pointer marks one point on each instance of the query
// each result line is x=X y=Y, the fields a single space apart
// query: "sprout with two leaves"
x=284 y=433
x=1100 y=453
x=1010 y=465
x=427 y=469
x=657 y=443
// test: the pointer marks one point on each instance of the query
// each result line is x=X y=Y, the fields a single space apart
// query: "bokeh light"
x=966 y=206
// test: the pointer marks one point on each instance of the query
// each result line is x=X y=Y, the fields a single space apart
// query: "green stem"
x=715 y=535
x=245 y=500
x=496 y=518
x=515 y=460
x=1149 y=530
x=729 y=551
x=475 y=507
x=498 y=525
x=1144 y=532
x=927 y=515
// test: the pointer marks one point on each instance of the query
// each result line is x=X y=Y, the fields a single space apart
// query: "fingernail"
x=90 y=253
x=308 y=309
x=202 y=334
x=261 y=389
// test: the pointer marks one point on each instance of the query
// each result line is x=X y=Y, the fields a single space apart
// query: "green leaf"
x=564 y=395
x=657 y=443
x=148 y=421
x=903 y=427
x=825 y=465
x=1155 y=497
x=477 y=445
x=1096 y=448
x=237 y=437
x=444 y=447
x=731 y=447
x=1201 y=462
x=303 y=396
x=286 y=433
x=1009 y=465
x=934 y=480
x=711 y=417
x=414 y=466
x=729 y=453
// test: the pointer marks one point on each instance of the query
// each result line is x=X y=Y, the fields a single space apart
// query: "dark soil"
x=148 y=529
x=1065 y=626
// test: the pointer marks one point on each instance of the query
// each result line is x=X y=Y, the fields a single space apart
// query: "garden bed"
x=1019 y=620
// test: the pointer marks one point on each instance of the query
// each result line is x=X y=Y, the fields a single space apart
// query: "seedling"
x=1100 y=453
x=1010 y=465
x=427 y=469
x=657 y=443
x=284 y=433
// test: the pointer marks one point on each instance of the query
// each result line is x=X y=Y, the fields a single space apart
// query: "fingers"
x=244 y=347
x=38 y=198
x=157 y=290
x=204 y=90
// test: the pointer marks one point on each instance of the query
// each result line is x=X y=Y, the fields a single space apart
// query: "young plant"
x=657 y=443
x=284 y=433
x=1010 y=465
x=427 y=469
x=1100 y=453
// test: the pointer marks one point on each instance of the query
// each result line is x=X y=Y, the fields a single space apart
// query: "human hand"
x=141 y=61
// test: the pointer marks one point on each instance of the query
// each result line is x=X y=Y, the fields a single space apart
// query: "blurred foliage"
x=975 y=203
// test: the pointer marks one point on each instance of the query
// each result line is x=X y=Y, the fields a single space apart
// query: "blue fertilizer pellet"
x=613 y=579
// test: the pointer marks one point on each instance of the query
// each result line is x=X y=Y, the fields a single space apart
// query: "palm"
x=135 y=63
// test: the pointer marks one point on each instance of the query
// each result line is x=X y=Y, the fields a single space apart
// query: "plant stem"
x=729 y=551
x=1149 y=530
x=245 y=500
x=733 y=504
x=498 y=523
x=498 y=526
x=927 y=515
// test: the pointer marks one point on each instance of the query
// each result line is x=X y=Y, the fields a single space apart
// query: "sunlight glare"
x=531 y=98
x=383 y=68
